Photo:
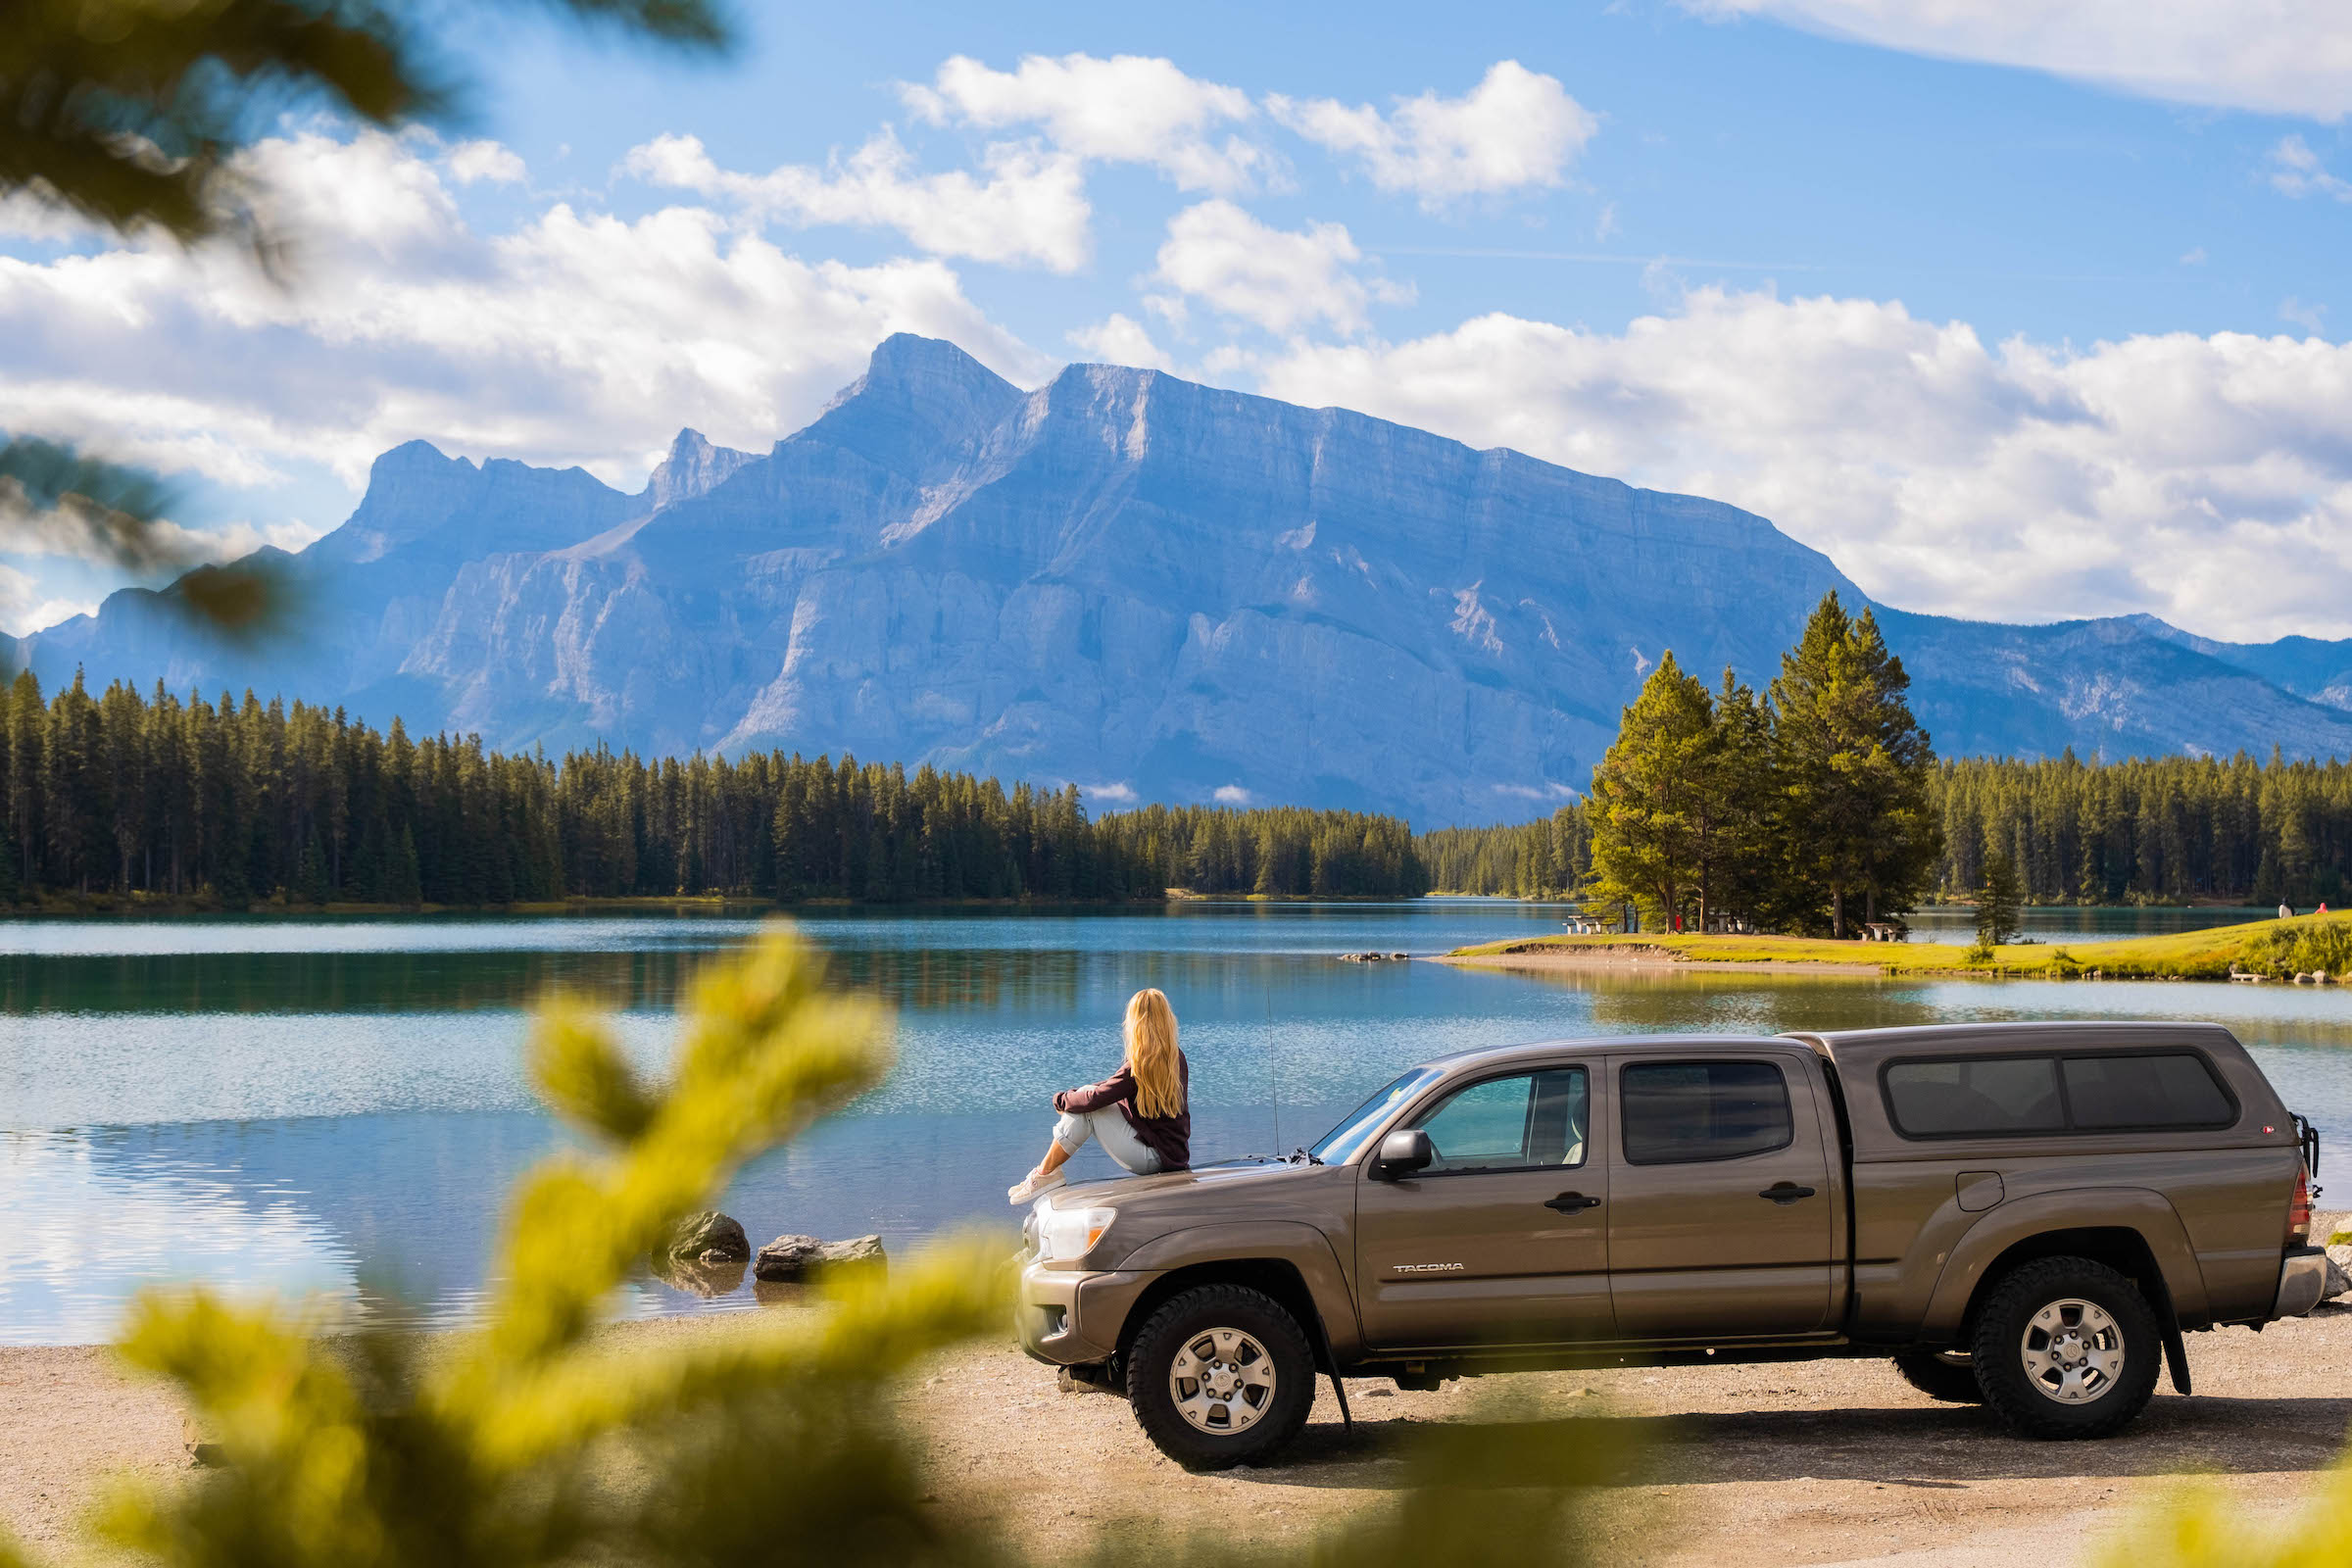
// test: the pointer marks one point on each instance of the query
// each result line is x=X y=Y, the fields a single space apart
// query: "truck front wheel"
x=1219 y=1376
x=2065 y=1347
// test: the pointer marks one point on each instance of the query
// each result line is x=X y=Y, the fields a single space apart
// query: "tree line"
x=1801 y=808
x=233 y=802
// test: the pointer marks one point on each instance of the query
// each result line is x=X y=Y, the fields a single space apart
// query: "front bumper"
x=2301 y=1279
x=1073 y=1317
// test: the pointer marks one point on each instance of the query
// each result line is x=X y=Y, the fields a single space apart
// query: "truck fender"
x=2134 y=1208
x=1292 y=1242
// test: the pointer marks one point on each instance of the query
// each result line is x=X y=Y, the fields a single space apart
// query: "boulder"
x=707 y=1276
x=698 y=1236
x=789 y=1258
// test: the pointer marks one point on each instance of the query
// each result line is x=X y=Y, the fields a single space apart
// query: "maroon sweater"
x=1168 y=1137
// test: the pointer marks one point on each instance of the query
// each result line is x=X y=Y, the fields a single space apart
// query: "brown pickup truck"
x=2027 y=1215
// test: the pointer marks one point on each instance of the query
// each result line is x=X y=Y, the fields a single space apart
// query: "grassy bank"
x=2274 y=948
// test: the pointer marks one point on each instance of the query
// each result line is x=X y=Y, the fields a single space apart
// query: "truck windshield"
x=1357 y=1126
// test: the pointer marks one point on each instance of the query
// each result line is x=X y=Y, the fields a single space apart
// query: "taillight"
x=2298 y=1213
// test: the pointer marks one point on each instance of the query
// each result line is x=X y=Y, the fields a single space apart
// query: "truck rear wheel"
x=1219 y=1376
x=2066 y=1347
x=1946 y=1375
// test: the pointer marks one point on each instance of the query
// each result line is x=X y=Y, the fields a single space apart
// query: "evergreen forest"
x=232 y=803
x=2167 y=830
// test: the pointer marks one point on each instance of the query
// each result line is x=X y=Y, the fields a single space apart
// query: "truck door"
x=1720 y=1199
x=1503 y=1239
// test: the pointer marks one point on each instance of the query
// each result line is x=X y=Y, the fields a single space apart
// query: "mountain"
x=1154 y=589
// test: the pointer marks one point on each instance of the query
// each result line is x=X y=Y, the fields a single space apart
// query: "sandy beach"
x=1824 y=1462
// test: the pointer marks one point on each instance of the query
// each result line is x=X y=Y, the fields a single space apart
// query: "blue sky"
x=2018 y=311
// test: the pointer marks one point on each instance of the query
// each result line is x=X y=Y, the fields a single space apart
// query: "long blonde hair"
x=1151 y=1054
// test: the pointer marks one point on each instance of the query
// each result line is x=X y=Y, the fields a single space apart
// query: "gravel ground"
x=1821 y=1462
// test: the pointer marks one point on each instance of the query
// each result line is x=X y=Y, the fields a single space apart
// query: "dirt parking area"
x=1814 y=1462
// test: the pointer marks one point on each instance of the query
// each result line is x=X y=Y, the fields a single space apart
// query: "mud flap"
x=2176 y=1353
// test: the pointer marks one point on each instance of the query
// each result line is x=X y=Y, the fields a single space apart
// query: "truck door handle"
x=1786 y=1193
x=1570 y=1203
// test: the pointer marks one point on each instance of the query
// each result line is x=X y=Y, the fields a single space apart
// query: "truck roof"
x=1859 y=1051
x=1537 y=1050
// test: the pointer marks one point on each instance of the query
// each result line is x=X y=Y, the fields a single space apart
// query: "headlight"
x=1063 y=1233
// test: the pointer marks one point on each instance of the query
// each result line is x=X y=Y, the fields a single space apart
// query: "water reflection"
x=334 y=1109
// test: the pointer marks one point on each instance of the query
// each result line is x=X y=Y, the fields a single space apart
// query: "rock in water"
x=796 y=1257
x=706 y=1277
x=697 y=1236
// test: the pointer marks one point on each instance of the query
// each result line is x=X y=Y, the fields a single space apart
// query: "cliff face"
x=1157 y=590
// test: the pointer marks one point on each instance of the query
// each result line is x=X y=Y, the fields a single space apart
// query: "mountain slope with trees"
x=1155 y=590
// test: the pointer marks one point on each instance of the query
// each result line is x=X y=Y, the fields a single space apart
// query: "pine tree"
x=1997 y=902
x=1647 y=809
x=1852 y=769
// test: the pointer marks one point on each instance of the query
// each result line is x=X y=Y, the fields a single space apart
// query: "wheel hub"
x=2072 y=1351
x=1221 y=1381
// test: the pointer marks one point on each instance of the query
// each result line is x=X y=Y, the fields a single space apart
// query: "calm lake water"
x=334 y=1107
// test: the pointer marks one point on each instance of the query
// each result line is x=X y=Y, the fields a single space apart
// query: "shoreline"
x=2274 y=951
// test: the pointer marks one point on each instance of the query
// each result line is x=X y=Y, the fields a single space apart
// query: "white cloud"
x=1232 y=795
x=1516 y=128
x=2206 y=478
x=472 y=161
x=2310 y=317
x=572 y=337
x=1129 y=109
x=56 y=532
x=25 y=608
x=1281 y=280
x=2296 y=171
x=1031 y=207
x=2288 y=56
x=1120 y=339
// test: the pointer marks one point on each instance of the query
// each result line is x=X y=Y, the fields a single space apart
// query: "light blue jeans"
x=1107 y=1127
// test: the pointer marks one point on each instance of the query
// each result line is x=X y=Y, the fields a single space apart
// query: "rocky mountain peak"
x=694 y=468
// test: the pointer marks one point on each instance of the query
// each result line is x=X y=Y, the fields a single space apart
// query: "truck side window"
x=1984 y=1095
x=2174 y=1090
x=1679 y=1112
x=1514 y=1124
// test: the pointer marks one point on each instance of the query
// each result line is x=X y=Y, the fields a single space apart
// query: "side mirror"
x=1402 y=1153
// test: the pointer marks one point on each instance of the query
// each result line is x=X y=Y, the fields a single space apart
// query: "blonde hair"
x=1151 y=1054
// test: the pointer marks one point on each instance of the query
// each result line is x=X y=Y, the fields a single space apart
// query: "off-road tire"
x=1999 y=1330
x=1952 y=1382
x=1179 y=1321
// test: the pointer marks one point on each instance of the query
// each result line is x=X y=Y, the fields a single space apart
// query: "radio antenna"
x=1273 y=1084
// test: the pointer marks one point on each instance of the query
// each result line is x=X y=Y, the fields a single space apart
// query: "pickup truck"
x=2030 y=1217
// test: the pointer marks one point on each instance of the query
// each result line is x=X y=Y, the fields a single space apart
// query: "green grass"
x=2276 y=949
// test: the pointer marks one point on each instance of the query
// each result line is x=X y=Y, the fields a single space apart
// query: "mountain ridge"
x=1151 y=588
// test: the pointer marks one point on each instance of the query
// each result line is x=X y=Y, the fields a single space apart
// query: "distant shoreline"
x=139 y=906
x=2251 y=948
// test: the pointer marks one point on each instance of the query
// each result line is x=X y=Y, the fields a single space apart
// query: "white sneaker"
x=1029 y=1186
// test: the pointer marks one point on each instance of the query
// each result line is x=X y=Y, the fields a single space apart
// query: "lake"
x=333 y=1107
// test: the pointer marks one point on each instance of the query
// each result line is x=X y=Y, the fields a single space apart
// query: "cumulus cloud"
x=1120 y=339
x=2206 y=478
x=2296 y=171
x=2286 y=57
x=573 y=337
x=1515 y=129
x=1281 y=280
x=1129 y=109
x=1032 y=207
x=25 y=607
x=475 y=160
